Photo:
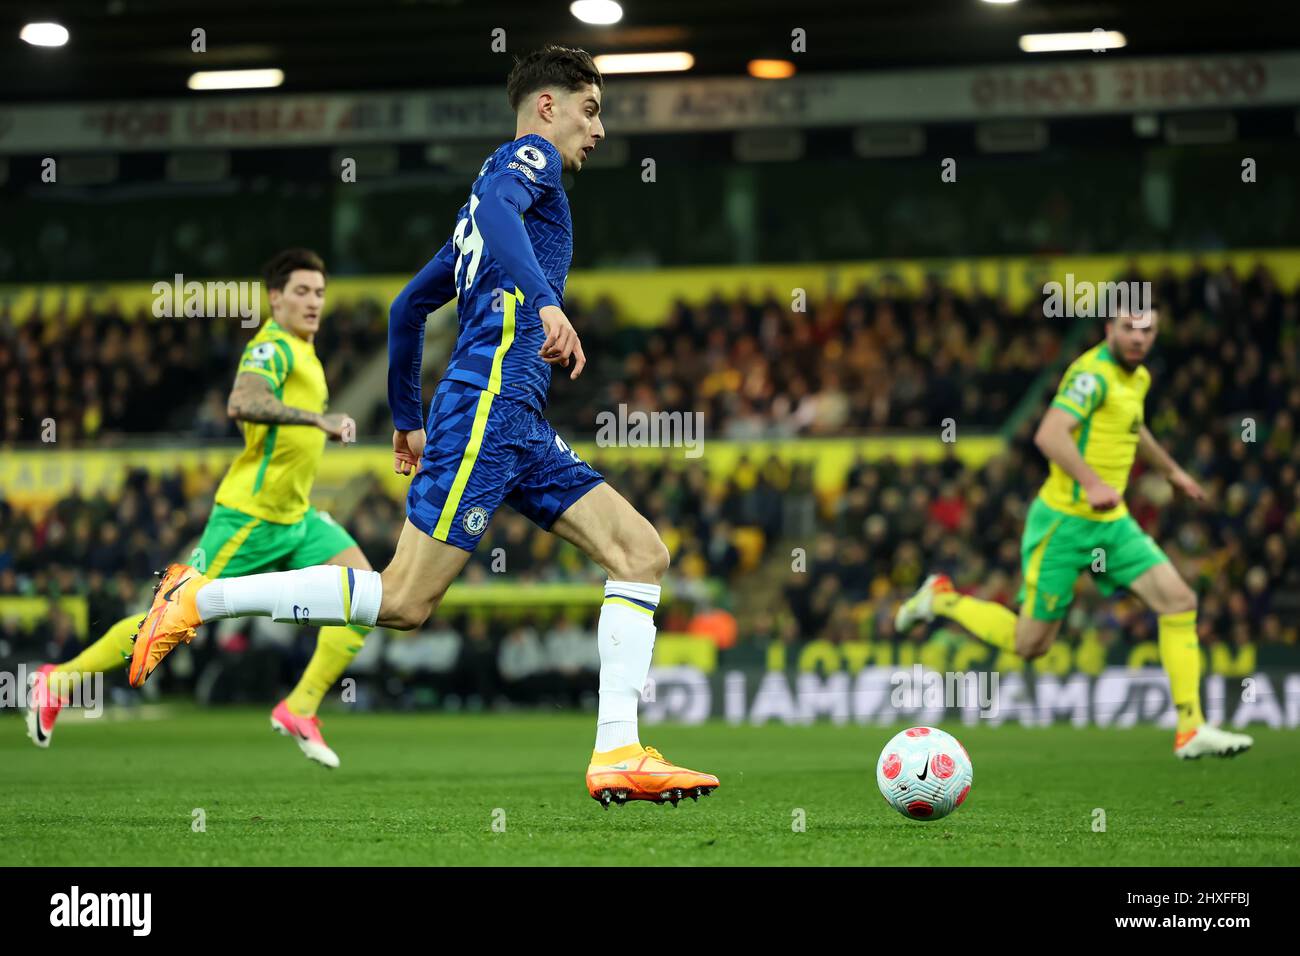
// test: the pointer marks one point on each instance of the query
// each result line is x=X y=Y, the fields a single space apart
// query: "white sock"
x=325 y=594
x=616 y=733
x=626 y=639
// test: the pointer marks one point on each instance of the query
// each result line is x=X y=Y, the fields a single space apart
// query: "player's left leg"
x=605 y=527
x=325 y=541
x=1052 y=549
x=468 y=462
x=232 y=543
x=1135 y=561
x=937 y=597
x=52 y=684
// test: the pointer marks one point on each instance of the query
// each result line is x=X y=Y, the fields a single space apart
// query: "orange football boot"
x=171 y=620
x=641 y=773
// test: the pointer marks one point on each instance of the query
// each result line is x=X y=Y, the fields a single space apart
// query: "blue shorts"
x=482 y=449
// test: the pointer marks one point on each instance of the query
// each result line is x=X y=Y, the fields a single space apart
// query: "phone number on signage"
x=1178 y=84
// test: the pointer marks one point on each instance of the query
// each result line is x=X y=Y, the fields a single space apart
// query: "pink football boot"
x=42 y=707
x=306 y=731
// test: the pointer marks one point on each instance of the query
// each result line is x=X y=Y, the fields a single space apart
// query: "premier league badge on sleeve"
x=533 y=156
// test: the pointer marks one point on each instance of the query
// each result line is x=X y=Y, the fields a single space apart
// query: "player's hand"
x=1188 y=485
x=1102 y=496
x=408 y=449
x=561 y=346
x=339 y=427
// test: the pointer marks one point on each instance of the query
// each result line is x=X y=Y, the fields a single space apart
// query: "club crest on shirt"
x=475 y=520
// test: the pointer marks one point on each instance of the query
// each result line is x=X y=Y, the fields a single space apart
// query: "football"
x=924 y=773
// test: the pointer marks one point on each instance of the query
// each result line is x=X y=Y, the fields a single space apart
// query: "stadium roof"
x=134 y=48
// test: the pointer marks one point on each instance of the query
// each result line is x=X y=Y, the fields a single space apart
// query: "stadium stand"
x=886 y=361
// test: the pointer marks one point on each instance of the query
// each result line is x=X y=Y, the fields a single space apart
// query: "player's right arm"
x=253 y=400
x=1080 y=394
x=499 y=216
x=263 y=369
x=430 y=289
x=1153 y=454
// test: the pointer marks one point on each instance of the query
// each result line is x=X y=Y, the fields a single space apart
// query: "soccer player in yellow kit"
x=1090 y=436
x=262 y=519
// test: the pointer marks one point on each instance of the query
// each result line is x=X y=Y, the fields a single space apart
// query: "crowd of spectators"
x=873 y=361
x=1225 y=401
x=754 y=366
x=99 y=375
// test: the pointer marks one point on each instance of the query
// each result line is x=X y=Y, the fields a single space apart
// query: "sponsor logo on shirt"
x=532 y=177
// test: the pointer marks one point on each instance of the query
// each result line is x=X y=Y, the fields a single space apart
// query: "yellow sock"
x=1181 y=658
x=336 y=645
x=108 y=653
x=987 y=620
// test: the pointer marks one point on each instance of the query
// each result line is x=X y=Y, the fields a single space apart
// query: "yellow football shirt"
x=1108 y=402
x=272 y=477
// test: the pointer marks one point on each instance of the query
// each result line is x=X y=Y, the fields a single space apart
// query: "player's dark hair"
x=561 y=66
x=275 y=274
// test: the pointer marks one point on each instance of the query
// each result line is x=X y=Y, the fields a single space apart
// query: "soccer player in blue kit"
x=485 y=441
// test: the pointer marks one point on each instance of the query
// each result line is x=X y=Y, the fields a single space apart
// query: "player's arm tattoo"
x=252 y=400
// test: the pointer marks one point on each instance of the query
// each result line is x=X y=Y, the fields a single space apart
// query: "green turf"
x=422 y=789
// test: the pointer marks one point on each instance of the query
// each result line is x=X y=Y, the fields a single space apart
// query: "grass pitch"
x=421 y=789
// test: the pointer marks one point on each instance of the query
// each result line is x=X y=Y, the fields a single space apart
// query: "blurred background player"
x=262 y=518
x=1090 y=435
x=487 y=442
